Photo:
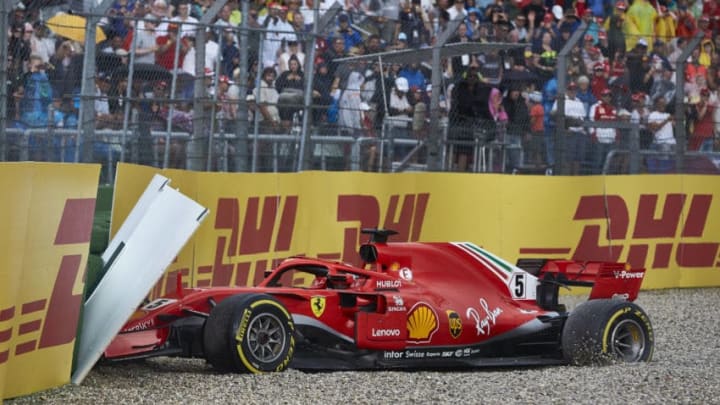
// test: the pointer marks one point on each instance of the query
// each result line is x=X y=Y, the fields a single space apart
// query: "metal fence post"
x=87 y=89
x=5 y=7
x=561 y=166
x=680 y=128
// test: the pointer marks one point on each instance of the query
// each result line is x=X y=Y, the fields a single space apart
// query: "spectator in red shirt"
x=686 y=25
x=165 y=55
x=599 y=81
x=703 y=124
x=603 y=139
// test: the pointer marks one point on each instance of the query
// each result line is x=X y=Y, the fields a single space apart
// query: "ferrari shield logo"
x=317 y=304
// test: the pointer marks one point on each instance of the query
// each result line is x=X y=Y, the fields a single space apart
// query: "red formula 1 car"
x=413 y=305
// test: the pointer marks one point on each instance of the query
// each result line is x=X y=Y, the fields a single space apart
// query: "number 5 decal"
x=517 y=285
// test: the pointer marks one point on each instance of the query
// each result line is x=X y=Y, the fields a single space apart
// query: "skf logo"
x=455 y=323
x=422 y=322
x=317 y=304
x=657 y=224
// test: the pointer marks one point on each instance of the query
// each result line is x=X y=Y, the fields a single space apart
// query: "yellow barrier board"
x=46 y=220
x=664 y=223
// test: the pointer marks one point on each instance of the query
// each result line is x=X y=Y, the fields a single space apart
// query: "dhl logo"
x=48 y=322
x=267 y=225
x=680 y=216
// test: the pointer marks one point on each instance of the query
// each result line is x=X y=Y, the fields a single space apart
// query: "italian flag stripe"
x=477 y=253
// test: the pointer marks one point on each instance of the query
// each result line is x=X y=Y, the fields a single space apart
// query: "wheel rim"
x=628 y=341
x=266 y=338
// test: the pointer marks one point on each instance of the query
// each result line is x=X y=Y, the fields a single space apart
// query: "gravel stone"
x=684 y=370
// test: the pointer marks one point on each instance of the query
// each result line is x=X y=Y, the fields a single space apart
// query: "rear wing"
x=606 y=279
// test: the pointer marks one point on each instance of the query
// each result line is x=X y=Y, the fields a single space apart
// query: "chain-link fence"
x=294 y=87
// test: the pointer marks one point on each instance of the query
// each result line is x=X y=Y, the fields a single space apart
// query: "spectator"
x=518 y=127
x=665 y=87
x=520 y=27
x=639 y=115
x=603 y=139
x=65 y=74
x=349 y=34
x=40 y=44
x=638 y=66
x=585 y=92
x=576 y=141
x=464 y=117
x=105 y=119
x=37 y=95
x=230 y=53
x=661 y=125
x=186 y=22
x=414 y=76
x=223 y=20
x=614 y=28
x=665 y=24
x=335 y=51
x=535 y=12
x=400 y=113
x=686 y=24
x=546 y=59
x=599 y=82
x=321 y=91
x=266 y=98
x=534 y=144
x=161 y=11
x=414 y=23
x=707 y=52
x=279 y=32
x=703 y=126
x=290 y=86
x=146 y=43
x=640 y=20
x=293 y=49
x=350 y=117
x=166 y=46
x=457 y=10
x=18 y=47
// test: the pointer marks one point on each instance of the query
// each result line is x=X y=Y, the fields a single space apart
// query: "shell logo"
x=422 y=322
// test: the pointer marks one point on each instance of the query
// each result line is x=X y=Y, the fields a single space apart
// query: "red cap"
x=589 y=37
x=602 y=35
x=605 y=92
x=548 y=17
x=224 y=79
x=638 y=97
x=599 y=66
x=208 y=71
x=621 y=5
x=705 y=18
x=572 y=86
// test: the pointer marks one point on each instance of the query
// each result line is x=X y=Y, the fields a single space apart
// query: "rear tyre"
x=249 y=333
x=607 y=331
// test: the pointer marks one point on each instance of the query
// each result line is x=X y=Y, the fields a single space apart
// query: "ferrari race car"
x=411 y=305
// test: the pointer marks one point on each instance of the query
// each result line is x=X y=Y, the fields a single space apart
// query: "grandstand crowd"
x=624 y=68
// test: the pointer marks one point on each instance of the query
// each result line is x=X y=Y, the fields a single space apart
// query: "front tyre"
x=606 y=331
x=249 y=333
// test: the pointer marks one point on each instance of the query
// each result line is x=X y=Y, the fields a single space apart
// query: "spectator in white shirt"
x=660 y=123
x=577 y=140
x=187 y=23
